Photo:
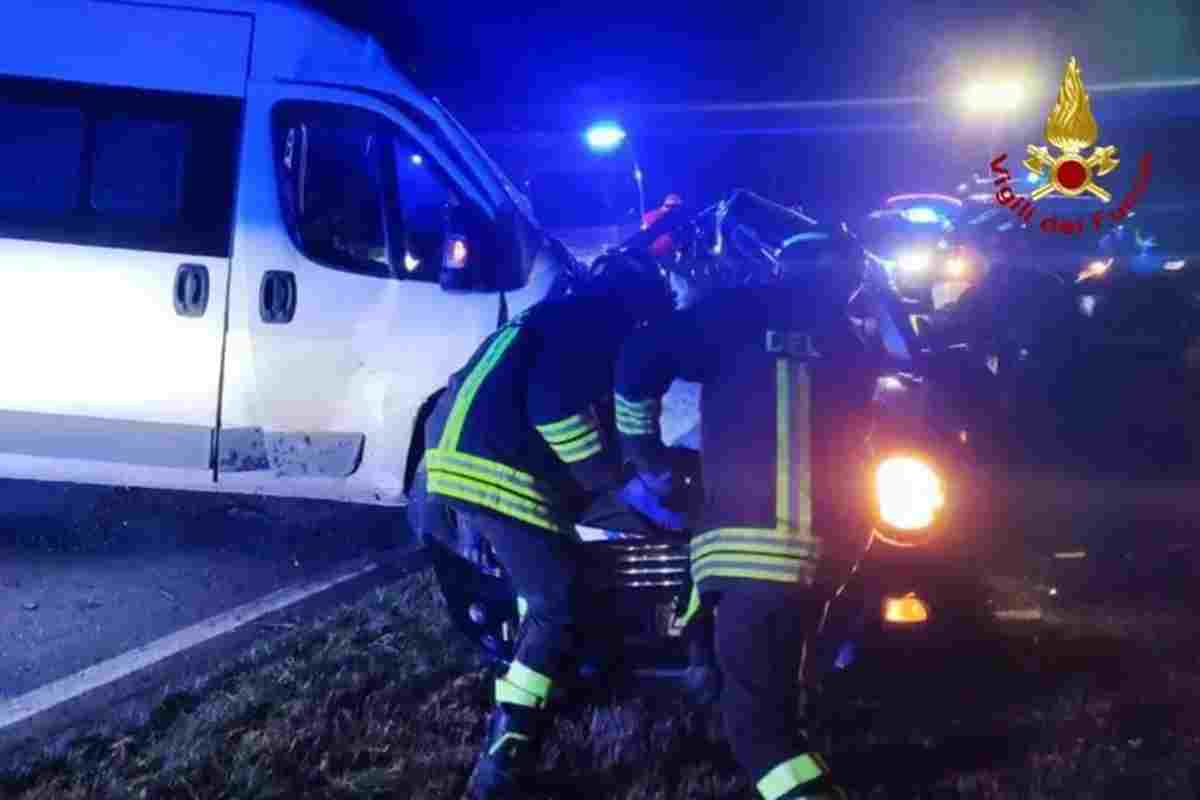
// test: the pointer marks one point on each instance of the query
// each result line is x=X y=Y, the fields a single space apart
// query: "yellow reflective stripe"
x=723 y=570
x=637 y=419
x=749 y=548
x=528 y=679
x=752 y=536
x=800 y=459
x=566 y=428
x=492 y=472
x=466 y=394
x=693 y=606
x=790 y=774
x=783 y=443
x=514 y=695
x=638 y=406
x=493 y=497
x=629 y=428
x=757 y=553
x=578 y=450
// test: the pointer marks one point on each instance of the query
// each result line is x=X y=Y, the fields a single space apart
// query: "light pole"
x=604 y=137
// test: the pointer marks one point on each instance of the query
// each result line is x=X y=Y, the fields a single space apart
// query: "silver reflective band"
x=791 y=343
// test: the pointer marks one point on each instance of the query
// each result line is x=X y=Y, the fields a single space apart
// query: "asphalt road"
x=88 y=573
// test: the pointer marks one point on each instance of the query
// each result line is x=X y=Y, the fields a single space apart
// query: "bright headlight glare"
x=956 y=267
x=1094 y=269
x=910 y=493
x=914 y=260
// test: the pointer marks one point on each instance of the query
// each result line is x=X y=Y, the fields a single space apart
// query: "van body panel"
x=112 y=384
x=117 y=44
x=355 y=363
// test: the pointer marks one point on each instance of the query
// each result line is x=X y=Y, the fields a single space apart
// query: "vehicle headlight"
x=914 y=262
x=957 y=267
x=1094 y=269
x=909 y=491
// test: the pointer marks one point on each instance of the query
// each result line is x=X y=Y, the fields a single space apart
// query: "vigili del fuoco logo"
x=1071 y=128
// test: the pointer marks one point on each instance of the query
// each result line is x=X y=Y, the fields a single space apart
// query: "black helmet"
x=642 y=286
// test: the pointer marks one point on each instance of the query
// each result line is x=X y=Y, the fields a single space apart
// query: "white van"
x=239 y=250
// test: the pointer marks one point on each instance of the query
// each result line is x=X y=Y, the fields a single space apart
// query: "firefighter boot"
x=509 y=755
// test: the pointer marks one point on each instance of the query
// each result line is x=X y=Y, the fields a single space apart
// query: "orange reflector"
x=456 y=253
x=906 y=610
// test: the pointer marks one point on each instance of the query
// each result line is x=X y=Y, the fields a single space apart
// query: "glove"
x=661 y=485
x=639 y=496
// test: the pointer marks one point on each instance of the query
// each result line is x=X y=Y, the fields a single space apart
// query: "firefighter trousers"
x=544 y=568
x=760 y=629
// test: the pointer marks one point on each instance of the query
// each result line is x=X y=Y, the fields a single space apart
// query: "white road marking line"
x=73 y=686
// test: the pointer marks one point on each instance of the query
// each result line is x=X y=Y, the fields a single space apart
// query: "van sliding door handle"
x=191 y=290
x=277 y=297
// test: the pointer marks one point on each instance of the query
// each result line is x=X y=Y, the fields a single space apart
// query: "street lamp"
x=606 y=136
x=994 y=99
x=993 y=96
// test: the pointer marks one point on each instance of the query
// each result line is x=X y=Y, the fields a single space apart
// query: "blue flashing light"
x=604 y=136
x=416 y=159
x=921 y=215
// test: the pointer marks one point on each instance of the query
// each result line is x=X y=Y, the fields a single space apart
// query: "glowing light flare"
x=604 y=136
x=921 y=215
x=943 y=198
x=993 y=96
x=909 y=492
x=957 y=267
x=914 y=261
x=906 y=610
x=416 y=159
x=1094 y=270
x=1174 y=266
x=456 y=253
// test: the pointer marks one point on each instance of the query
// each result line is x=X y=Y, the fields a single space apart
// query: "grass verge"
x=383 y=699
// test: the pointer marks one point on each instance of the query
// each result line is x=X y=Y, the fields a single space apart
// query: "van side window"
x=421 y=209
x=331 y=164
x=139 y=167
x=359 y=194
x=116 y=167
x=41 y=152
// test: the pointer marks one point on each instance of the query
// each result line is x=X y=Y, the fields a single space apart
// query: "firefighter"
x=779 y=365
x=664 y=245
x=521 y=443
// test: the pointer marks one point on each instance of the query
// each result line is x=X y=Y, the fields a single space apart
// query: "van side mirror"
x=482 y=255
x=460 y=259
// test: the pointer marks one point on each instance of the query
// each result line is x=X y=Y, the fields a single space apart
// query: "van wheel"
x=482 y=607
x=416 y=445
x=479 y=595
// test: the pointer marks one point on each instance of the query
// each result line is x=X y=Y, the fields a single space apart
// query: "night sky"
x=598 y=52
x=517 y=68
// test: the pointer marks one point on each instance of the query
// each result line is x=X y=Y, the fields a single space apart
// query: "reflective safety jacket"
x=784 y=380
x=529 y=428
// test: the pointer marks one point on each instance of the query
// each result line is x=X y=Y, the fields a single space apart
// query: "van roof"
x=293 y=41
